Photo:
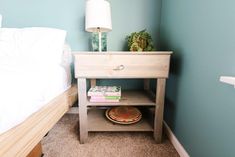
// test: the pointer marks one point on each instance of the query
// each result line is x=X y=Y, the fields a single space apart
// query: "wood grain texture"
x=20 y=140
x=82 y=94
x=160 y=97
x=114 y=65
x=37 y=151
x=111 y=65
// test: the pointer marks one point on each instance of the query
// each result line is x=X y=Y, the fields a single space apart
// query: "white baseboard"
x=179 y=148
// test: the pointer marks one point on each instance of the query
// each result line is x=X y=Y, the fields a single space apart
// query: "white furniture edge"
x=175 y=142
x=228 y=80
x=123 y=52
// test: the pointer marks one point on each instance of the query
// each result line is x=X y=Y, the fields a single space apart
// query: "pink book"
x=103 y=100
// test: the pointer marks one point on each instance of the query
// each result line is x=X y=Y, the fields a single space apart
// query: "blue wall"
x=200 y=109
x=131 y=16
x=127 y=16
x=63 y=14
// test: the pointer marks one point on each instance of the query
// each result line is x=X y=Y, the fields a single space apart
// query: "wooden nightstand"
x=118 y=65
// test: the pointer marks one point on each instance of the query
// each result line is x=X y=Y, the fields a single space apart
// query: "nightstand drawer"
x=131 y=65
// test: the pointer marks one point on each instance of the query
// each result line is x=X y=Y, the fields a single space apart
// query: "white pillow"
x=42 y=45
x=67 y=55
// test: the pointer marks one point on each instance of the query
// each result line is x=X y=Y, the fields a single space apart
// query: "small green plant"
x=140 y=41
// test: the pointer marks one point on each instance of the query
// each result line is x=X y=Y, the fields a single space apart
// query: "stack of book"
x=105 y=94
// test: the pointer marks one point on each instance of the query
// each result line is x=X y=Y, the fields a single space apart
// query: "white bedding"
x=26 y=87
x=34 y=69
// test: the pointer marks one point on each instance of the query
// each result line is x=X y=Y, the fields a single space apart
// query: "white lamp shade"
x=98 y=16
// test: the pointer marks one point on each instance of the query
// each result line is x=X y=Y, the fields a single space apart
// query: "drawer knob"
x=120 y=67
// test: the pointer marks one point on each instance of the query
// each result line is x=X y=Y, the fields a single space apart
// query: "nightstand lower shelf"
x=98 y=122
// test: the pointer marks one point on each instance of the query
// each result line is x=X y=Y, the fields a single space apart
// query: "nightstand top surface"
x=123 y=53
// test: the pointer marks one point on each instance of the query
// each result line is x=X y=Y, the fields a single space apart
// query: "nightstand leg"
x=160 y=97
x=82 y=97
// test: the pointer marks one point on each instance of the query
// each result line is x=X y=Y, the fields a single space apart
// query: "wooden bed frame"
x=20 y=140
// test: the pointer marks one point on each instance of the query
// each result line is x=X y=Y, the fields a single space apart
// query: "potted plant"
x=140 y=41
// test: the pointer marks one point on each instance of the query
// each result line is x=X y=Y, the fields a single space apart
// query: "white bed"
x=26 y=88
x=35 y=86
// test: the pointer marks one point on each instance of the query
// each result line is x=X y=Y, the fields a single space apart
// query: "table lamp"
x=98 y=17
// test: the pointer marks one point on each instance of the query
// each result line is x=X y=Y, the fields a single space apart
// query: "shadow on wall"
x=172 y=83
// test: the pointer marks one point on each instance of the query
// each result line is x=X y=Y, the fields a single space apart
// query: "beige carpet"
x=62 y=141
